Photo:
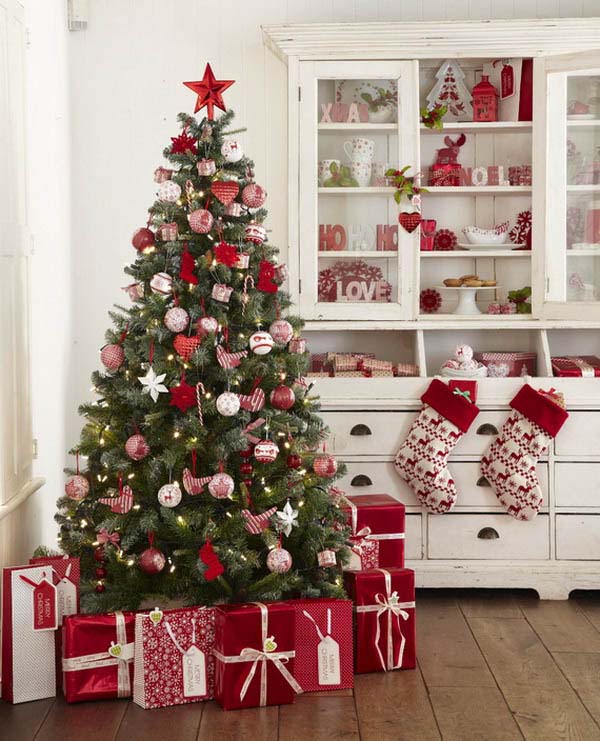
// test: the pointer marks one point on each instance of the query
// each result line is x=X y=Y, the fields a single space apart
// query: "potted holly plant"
x=405 y=185
x=340 y=177
x=431 y=118
x=381 y=106
x=521 y=298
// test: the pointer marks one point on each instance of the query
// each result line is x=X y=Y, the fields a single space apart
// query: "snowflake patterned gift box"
x=384 y=626
x=377 y=522
x=254 y=651
x=324 y=644
x=508 y=364
x=28 y=647
x=98 y=656
x=174 y=663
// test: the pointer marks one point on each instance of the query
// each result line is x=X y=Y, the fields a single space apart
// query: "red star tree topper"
x=209 y=91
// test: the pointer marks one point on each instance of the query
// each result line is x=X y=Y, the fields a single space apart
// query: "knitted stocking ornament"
x=422 y=460
x=509 y=464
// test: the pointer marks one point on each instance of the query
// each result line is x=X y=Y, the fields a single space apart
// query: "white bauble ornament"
x=207 y=325
x=221 y=486
x=232 y=151
x=161 y=283
x=137 y=447
x=77 y=487
x=169 y=191
x=200 y=221
x=169 y=495
x=279 y=561
x=228 y=404
x=463 y=353
x=281 y=331
x=265 y=451
x=325 y=466
x=261 y=343
x=176 y=319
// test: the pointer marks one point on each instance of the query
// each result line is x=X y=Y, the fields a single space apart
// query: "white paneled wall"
x=125 y=88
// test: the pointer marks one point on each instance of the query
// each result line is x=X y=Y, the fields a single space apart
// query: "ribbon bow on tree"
x=104 y=537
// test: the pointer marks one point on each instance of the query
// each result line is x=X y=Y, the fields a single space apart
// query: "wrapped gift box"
x=584 y=366
x=508 y=364
x=254 y=651
x=324 y=650
x=174 y=663
x=98 y=656
x=28 y=653
x=377 y=522
x=384 y=635
x=407 y=369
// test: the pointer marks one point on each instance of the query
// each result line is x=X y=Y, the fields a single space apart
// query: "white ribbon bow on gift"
x=119 y=654
x=389 y=604
x=268 y=653
x=365 y=532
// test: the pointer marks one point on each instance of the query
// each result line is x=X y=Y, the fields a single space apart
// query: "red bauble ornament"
x=221 y=486
x=293 y=461
x=112 y=356
x=279 y=561
x=281 y=331
x=136 y=447
x=248 y=482
x=253 y=195
x=143 y=239
x=325 y=466
x=100 y=588
x=200 y=221
x=282 y=397
x=246 y=469
x=265 y=451
x=209 y=91
x=77 y=487
x=99 y=554
x=152 y=561
x=100 y=572
x=247 y=453
x=207 y=325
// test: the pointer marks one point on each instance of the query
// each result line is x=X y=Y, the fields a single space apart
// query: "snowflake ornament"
x=288 y=518
x=153 y=384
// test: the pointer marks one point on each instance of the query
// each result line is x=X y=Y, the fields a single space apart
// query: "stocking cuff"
x=539 y=409
x=453 y=406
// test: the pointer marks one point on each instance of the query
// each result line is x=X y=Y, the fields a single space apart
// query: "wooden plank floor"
x=493 y=665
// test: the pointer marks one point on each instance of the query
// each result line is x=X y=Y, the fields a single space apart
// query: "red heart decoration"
x=225 y=190
x=185 y=345
x=409 y=221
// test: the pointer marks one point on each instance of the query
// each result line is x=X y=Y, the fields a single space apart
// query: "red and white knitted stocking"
x=509 y=464
x=422 y=460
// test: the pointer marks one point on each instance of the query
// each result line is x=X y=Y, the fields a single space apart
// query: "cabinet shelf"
x=479 y=190
x=481 y=127
x=584 y=123
x=477 y=253
x=341 y=254
x=583 y=188
x=583 y=253
x=358 y=126
x=370 y=191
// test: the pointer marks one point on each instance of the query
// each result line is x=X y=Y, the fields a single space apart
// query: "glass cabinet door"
x=357 y=120
x=572 y=186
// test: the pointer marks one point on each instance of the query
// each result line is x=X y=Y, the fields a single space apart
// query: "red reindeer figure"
x=446 y=169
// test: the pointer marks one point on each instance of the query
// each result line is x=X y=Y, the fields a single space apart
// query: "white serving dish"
x=508 y=246
x=478 y=236
x=480 y=372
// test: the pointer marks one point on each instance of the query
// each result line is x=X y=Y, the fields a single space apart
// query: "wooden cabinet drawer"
x=413 y=542
x=461 y=536
x=474 y=491
x=367 y=433
x=577 y=485
x=580 y=435
x=578 y=537
x=483 y=430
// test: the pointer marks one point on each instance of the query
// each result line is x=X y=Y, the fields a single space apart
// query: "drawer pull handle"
x=361 y=479
x=487 y=429
x=360 y=430
x=482 y=481
x=488 y=533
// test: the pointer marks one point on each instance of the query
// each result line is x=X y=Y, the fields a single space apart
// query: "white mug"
x=325 y=169
x=361 y=172
x=360 y=149
x=379 y=177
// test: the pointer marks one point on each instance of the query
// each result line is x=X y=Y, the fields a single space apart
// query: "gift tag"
x=66 y=595
x=194 y=672
x=507 y=81
x=328 y=652
x=45 y=612
x=156 y=616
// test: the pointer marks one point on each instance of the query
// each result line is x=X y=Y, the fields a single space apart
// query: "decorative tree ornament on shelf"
x=253 y=195
x=137 y=447
x=153 y=384
x=221 y=485
x=183 y=144
x=169 y=191
x=162 y=284
x=282 y=397
x=293 y=461
x=187 y=267
x=161 y=174
x=326 y=559
x=279 y=560
x=287 y=518
x=225 y=190
x=325 y=465
x=430 y=301
x=183 y=396
x=176 y=319
x=206 y=167
x=152 y=561
x=265 y=451
x=256 y=524
x=450 y=91
x=409 y=221
x=208 y=557
x=226 y=254
x=281 y=331
x=186 y=346
x=209 y=91
x=77 y=486
x=261 y=343
x=200 y=221
x=112 y=356
x=169 y=495
x=232 y=151
x=266 y=273
x=228 y=404
x=255 y=233
x=207 y=325
x=122 y=503
x=143 y=239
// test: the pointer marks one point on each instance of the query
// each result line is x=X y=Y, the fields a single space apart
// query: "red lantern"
x=485 y=101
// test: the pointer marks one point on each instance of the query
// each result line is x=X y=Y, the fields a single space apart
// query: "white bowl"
x=480 y=372
x=475 y=235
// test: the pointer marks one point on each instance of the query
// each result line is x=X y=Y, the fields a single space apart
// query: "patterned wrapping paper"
x=385 y=636
x=377 y=522
x=373 y=364
x=508 y=364
x=180 y=643
x=98 y=656
x=344 y=363
x=28 y=655
x=584 y=366
x=324 y=644
x=407 y=369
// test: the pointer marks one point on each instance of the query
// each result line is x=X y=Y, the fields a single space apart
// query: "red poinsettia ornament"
x=183 y=144
x=227 y=254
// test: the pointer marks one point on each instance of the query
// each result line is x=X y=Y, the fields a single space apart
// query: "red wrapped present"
x=377 y=522
x=449 y=174
x=174 y=663
x=29 y=620
x=384 y=602
x=98 y=656
x=254 y=649
x=324 y=655
x=508 y=364
x=344 y=362
x=584 y=366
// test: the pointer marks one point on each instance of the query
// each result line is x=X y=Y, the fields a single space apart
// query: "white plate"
x=468 y=288
x=504 y=246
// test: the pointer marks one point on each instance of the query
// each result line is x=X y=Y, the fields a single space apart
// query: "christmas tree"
x=206 y=476
x=450 y=91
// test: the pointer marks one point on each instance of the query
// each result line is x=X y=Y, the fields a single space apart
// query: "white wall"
x=125 y=74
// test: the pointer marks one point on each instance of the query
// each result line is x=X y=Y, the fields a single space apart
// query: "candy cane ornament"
x=245 y=298
x=200 y=390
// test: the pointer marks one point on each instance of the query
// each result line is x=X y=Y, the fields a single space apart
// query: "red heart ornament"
x=185 y=345
x=225 y=190
x=409 y=221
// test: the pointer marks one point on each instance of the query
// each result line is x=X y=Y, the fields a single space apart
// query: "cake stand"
x=466 y=298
